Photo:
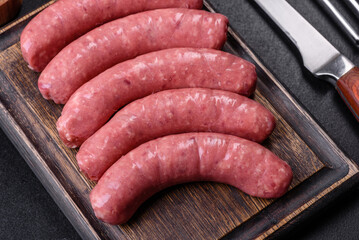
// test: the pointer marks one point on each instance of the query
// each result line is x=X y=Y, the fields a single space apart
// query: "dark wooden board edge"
x=61 y=176
x=24 y=18
x=45 y=175
x=271 y=223
x=316 y=207
x=8 y=10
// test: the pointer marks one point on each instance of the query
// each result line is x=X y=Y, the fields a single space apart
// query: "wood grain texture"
x=8 y=10
x=348 y=87
x=215 y=208
x=189 y=211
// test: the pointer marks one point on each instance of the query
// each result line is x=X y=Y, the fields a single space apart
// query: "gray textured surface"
x=27 y=211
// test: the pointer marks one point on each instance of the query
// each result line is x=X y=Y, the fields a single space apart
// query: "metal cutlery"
x=320 y=57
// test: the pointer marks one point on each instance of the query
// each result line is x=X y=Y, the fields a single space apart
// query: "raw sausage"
x=64 y=21
x=97 y=100
x=125 y=39
x=171 y=112
x=177 y=159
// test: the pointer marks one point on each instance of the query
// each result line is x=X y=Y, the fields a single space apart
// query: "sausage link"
x=171 y=112
x=125 y=39
x=177 y=159
x=66 y=20
x=95 y=102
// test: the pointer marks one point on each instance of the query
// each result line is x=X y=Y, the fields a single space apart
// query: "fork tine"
x=354 y=6
x=340 y=20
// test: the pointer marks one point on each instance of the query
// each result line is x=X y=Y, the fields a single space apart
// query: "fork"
x=340 y=19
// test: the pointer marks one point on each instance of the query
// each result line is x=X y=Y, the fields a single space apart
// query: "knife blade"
x=319 y=56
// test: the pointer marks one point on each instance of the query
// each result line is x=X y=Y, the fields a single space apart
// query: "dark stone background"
x=28 y=212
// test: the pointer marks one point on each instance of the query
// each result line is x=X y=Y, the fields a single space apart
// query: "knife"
x=321 y=58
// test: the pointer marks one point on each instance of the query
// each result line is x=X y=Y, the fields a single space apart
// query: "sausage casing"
x=66 y=20
x=183 y=158
x=95 y=102
x=124 y=39
x=171 y=112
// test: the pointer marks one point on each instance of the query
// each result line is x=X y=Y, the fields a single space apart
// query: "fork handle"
x=348 y=88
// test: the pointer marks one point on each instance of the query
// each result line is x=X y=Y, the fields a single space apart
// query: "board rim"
x=46 y=176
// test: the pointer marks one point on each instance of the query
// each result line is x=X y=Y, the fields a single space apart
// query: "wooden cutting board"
x=8 y=10
x=189 y=211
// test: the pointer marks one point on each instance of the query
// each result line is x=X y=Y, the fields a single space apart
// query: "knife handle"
x=348 y=88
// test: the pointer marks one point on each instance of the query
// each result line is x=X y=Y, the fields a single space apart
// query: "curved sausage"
x=66 y=20
x=125 y=39
x=96 y=101
x=171 y=112
x=190 y=157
